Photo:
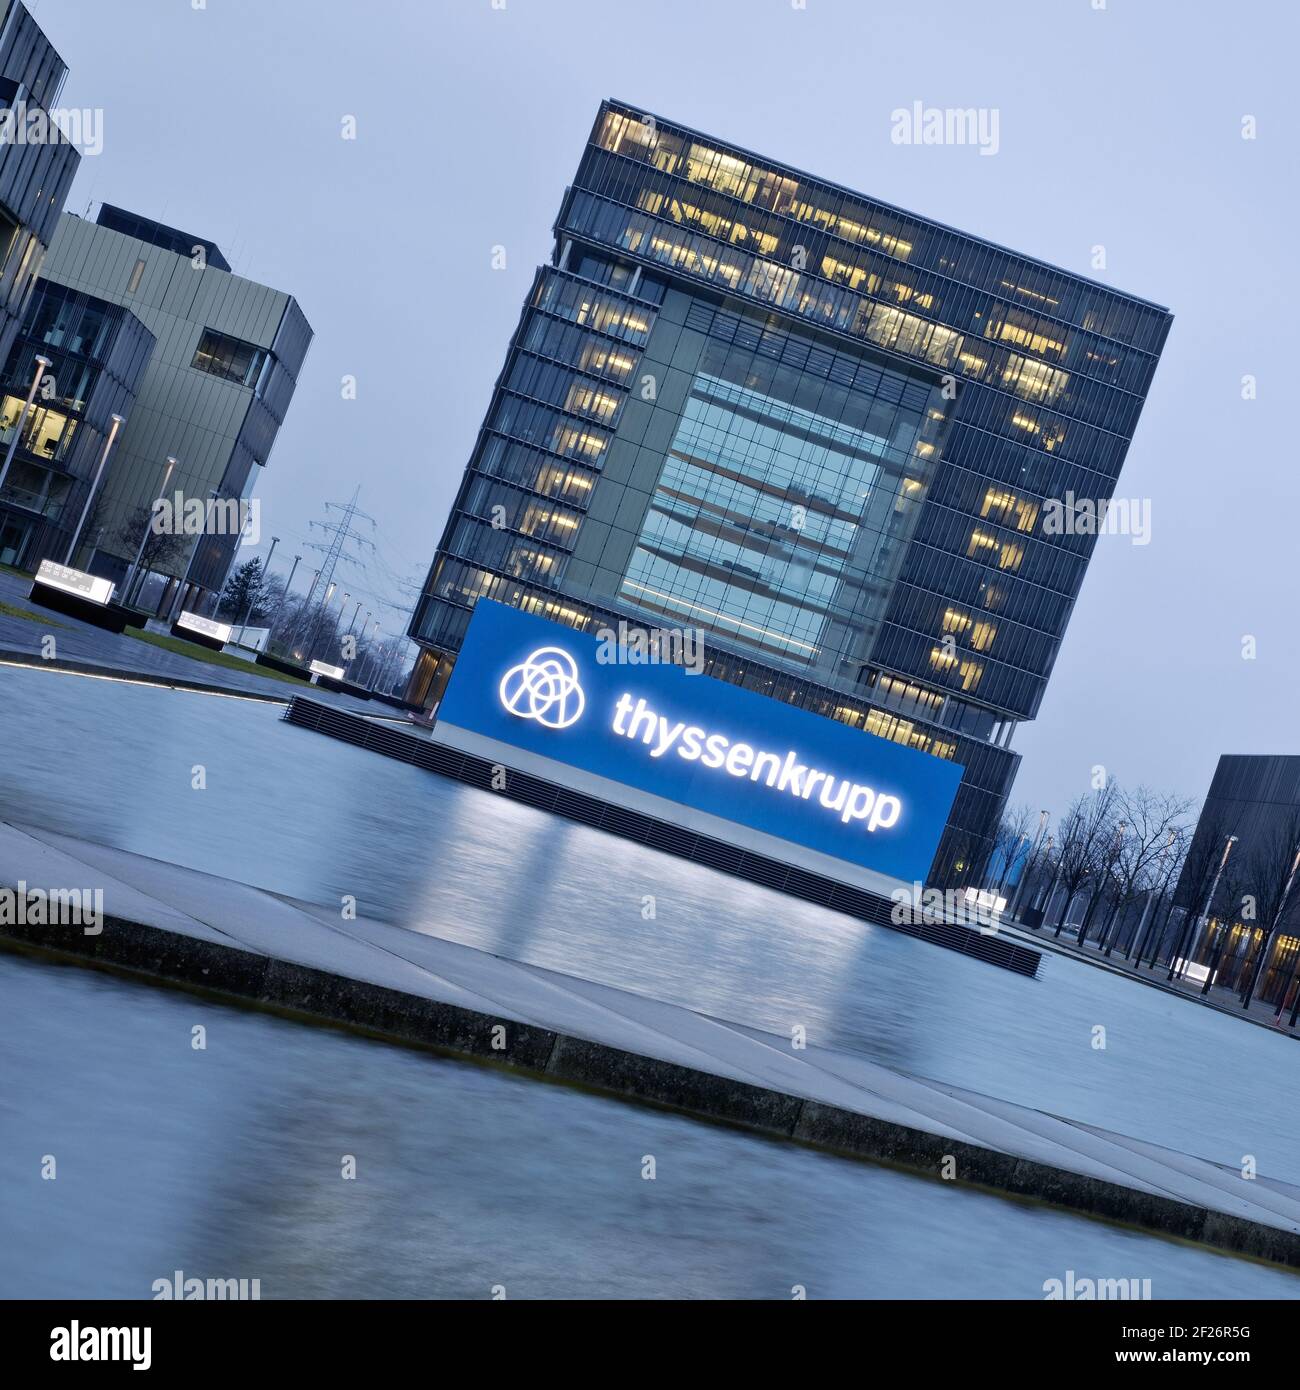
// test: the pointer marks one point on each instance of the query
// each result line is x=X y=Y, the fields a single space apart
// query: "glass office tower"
x=35 y=175
x=816 y=428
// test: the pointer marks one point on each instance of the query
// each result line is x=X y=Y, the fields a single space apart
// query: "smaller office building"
x=97 y=353
x=1240 y=897
x=213 y=393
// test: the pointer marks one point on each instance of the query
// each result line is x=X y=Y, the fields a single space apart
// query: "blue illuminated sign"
x=700 y=742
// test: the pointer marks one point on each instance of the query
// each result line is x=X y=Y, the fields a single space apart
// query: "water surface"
x=301 y=814
x=227 y=1163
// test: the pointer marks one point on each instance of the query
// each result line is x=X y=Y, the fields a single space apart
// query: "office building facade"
x=1238 y=921
x=37 y=166
x=213 y=393
x=818 y=429
x=97 y=354
x=35 y=174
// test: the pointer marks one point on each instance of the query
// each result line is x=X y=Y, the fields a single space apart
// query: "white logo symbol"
x=544 y=687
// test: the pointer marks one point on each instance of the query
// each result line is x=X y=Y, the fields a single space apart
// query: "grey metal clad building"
x=816 y=427
x=214 y=394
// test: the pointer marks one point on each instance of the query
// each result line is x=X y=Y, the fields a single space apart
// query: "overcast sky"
x=1118 y=127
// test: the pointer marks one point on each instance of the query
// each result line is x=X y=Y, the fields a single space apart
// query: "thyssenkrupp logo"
x=544 y=686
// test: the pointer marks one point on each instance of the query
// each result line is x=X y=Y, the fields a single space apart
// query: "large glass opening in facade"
x=780 y=516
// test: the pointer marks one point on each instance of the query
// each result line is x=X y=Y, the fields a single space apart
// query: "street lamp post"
x=1047 y=850
x=378 y=682
x=144 y=535
x=1031 y=864
x=382 y=658
x=320 y=617
x=1205 y=910
x=334 y=625
x=1139 y=935
x=1051 y=887
x=1112 y=859
x=343 y=603
x=175 y=609
x=306 y=609
x=1006 y=868
x=41 y=364
x=94 y=488
x=357 y=643
x=279 y=607
x=371 y=659
x=1266 y=949
x=395 y=651
x=1219 y=942
x=275 y=540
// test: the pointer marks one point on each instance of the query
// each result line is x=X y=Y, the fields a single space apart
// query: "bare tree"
x=1149 y=818
x=1163 y=877
x=1085 y=833
x=1110 y=846
x=161 y=549
x=1040 y=881
x=1014 y=830
x=286 y=618
x=96 y=519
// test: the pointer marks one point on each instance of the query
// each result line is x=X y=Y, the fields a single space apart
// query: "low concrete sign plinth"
x=203 y=632
x=285 y=668
x=79 y=595
x=358 y=692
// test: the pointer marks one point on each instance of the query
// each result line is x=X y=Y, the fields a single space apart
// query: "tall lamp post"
x=334 y=628
x=41 y=364
x=175 y=609
x=1116 y=849
x=1030 y=864
x=279 y=607
x=320 y=617
x=370 y=661
x=144 y=535
x=388 y=661
x=1219 y=944
x=1139 y=935
x=275 y=540
x=381 y=656
x=266 y=566
x=1006 y=867
x=1267 y=948
x=1047 y=850
x=302 y=617
x=356 y=646
x=1205 y=909
x=94 y=488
